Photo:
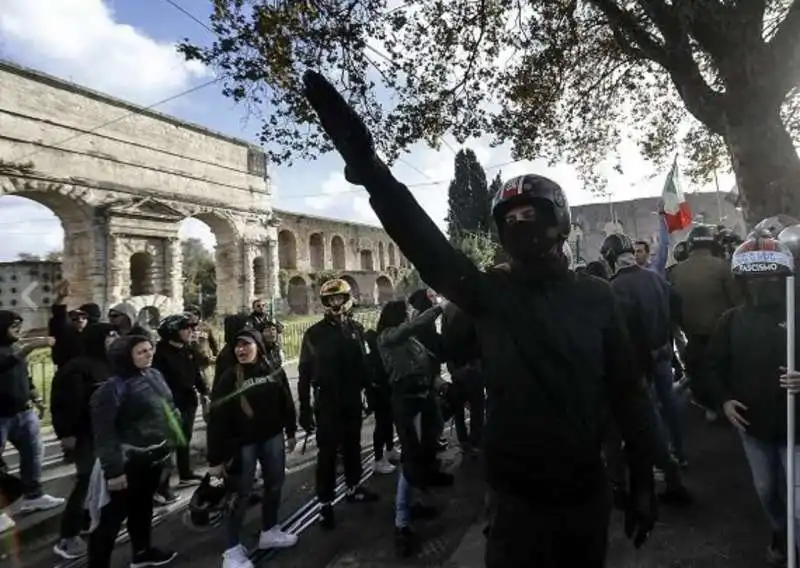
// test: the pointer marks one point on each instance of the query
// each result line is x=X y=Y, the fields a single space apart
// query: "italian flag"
x=677 y=213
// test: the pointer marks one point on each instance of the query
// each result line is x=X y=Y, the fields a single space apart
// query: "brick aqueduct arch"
x=121 y=191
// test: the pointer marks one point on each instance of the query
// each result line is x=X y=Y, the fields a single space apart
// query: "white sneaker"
x=383 y=466
x=236 y=557
x=6 y=523
x=276 y=538
x=43 y=503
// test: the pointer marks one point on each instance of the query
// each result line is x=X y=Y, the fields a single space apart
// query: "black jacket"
x=225 y=359
x=181 y=368
x=333 y=361
x=16 y=385
x=69 y=343
x=133 y=409
x=75 y=383
x=249 y=404
x=556 y=351
x=744 y=358
x=460 y=342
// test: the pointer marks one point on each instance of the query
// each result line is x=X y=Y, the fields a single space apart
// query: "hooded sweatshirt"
x=75 y=382
x=136 y=328
x=132 y=411
x=249 y=404
x=16 y=385
x=226 y=359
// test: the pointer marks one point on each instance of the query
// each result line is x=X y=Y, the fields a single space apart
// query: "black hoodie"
x=226 y=359
x=75 y=382
x=133 y=409
x=249 y=404
x=16 y=385
x=181 y=368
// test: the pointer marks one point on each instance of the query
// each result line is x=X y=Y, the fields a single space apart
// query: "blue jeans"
x=22 y=430
x=768 y=467
x=667 y=401
x=271 y=454
x=402 y=507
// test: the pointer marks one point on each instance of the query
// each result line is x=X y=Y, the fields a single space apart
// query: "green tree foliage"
x=199 y=276
x=468 y=199
x=480 y=248
x=29 y=257
x=55 y=256
x=494 y=187
x=557 y=78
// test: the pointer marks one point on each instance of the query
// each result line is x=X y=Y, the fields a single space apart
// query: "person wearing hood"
x=251 y=411
x=71 y=391
x=66 y=326
x=19 y=423
x=415 y=385
x=226 y=358
x=123 y=317
x=132 y=417
x=181 y=366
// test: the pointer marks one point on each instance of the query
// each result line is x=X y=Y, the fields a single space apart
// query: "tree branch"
x=785 y=50
x=674 y=55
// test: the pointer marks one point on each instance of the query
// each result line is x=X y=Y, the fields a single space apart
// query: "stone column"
x=173 y=271
x=249 y=253
x=273 y=267
x=117 y=265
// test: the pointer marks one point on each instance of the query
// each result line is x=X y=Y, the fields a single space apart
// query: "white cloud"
x=80 y=40
x=38 y=232
x=194 y=229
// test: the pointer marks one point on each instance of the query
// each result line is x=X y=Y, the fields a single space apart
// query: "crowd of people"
x=573 y=377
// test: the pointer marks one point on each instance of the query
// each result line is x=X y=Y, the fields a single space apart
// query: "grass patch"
x=42 y=369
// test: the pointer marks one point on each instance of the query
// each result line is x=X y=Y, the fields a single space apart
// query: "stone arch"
x=71 y=205
x=385 y=289
x=366 y=261
x=354 y=290
x=227 y=292
x=297 y=295
x=338 y=254
x=316 y=251
x=287 y=249
x=392 y=257
x=140 y=266
x=259 y=276
x=381 y=257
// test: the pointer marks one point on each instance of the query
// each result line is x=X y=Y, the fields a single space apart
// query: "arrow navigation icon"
x=26 y=295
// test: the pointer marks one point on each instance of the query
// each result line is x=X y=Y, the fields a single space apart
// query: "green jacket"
x=405 y=359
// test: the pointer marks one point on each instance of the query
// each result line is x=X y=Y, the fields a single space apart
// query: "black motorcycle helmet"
x=171 y=325
x=209 y=502
x=614 y=245
x=545 y=195
x=728 y=241
x=680 y=251
x=703 y=237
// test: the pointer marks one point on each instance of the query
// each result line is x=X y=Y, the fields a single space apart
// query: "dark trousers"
x=469 y=387
x=383 y=434
x=566 y=536
x=73 y=519
x=134 y=504
x=335 y=432
x=696 y=346
x=182 y=453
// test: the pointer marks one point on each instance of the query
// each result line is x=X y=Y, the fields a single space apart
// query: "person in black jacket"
x=19 y=423
x=131 y=415
x=379 y=399
x=66 y=326
x=333 y=361
x=71 y=392
x=125 y=320
x=226 y=358
x=251 y=410
x=181 y=364
x=556 y=351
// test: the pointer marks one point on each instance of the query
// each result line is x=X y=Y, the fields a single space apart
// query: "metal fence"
x=42 y=369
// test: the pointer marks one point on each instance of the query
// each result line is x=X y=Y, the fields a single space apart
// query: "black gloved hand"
x=641 y=510
x=345 y=128
x=306 y=419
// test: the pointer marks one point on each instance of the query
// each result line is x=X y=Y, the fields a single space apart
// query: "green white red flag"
x=677 y=213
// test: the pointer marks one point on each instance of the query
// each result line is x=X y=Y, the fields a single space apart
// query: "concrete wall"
x=28 y=288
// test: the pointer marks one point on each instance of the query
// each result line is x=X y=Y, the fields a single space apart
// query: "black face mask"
x=767 y=293
x=528 y=242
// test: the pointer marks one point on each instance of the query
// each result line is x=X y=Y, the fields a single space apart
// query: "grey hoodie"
x=136 y=327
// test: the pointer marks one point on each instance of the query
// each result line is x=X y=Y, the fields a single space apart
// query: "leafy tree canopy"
x=562 y=79
x=199 y=276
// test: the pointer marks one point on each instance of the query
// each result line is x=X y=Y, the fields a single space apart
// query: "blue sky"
x=126 y=48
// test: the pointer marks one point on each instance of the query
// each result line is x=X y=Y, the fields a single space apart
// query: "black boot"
x=326 y=519
x=404 y=542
